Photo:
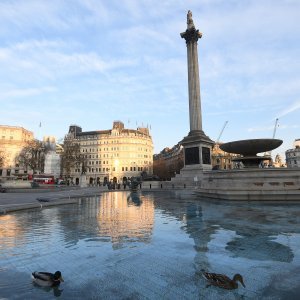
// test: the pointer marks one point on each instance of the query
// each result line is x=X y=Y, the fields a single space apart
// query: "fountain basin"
x=251 y=147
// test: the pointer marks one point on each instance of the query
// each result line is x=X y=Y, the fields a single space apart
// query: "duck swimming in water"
x=223 y=281
x=47 y=279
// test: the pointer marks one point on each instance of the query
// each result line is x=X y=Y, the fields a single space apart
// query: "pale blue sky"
x=90 y=62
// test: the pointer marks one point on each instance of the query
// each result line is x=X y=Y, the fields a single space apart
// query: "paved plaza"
x=29 y=198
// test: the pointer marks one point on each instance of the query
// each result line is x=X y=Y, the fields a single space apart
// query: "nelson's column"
x=197 y=145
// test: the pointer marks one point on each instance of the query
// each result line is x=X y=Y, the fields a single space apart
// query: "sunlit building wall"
x=12 y=140
x=222 y=160
x=113 y=154
x=293 y=155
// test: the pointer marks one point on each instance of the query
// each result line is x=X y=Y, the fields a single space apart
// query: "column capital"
x=191 y=34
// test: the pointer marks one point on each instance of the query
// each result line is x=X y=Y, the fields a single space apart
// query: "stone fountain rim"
x=237 y=145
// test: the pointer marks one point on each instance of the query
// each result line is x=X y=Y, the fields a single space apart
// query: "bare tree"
x=166 y=169
x=174 y=167
x=2 y=158
x=71 y=157
x=160 y=168
x=32 y=156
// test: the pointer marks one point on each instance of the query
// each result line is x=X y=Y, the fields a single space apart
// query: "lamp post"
x=116 y=166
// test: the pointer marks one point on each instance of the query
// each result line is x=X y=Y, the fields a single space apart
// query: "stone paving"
x=28 y=198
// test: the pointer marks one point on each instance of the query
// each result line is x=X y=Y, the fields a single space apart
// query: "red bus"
x=43 y=179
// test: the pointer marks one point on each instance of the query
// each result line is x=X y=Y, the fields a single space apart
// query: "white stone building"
x=52 y=158
x=113 y=154
x=293 y=155
x=12 y=140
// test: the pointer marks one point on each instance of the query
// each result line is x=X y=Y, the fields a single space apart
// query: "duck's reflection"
x=57 y=292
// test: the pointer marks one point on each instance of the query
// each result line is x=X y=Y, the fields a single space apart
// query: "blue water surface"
x=123 y=245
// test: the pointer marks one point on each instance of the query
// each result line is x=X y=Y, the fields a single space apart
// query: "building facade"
x=168 y=162
x=12 y=140
x=52 y=158
x=222 y=160
x=113 y=155
x=292 y=156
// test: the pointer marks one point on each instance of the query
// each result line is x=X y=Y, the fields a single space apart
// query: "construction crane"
x=275 y=128
x=274 y=132
x=218 y=139
x=216 y=149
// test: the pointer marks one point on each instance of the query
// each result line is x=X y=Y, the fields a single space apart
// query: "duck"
x=47 y=279
x=223 y=281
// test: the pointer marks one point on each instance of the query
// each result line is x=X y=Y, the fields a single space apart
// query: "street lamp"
x=116 y=166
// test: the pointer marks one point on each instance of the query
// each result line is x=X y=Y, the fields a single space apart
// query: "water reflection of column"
x=201 y=234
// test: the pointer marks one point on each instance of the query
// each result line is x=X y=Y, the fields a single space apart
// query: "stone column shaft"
x=194 y=87
x=191 y=36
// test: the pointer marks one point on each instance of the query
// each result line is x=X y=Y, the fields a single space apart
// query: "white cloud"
x=98 y=12
x=290 y=109
x=16 y=93
x=33 y=14
x=237 y=111
x=271 y=127
x=52 y=59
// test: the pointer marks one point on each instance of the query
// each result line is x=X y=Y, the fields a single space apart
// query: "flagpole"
x=40 y=132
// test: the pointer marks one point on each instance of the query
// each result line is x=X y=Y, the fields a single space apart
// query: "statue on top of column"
x=190 y=22
x=191 y=34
